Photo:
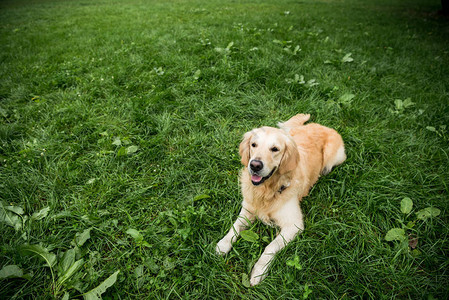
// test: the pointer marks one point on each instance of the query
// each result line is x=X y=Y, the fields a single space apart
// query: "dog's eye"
x=274 y=149
x=253 y=145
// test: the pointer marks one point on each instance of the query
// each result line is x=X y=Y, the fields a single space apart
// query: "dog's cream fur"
x=293 y=158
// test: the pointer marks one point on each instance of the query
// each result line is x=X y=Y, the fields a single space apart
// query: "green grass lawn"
x=119 y=130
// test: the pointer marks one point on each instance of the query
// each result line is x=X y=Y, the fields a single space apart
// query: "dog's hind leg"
x=333 y=153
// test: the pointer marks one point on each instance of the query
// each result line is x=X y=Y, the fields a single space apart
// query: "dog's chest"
x=265 y=206
x=266 y=219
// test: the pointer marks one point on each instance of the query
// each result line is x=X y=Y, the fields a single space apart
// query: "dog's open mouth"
x=256 y=179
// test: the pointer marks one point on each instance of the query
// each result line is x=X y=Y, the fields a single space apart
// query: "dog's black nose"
x=256 y=165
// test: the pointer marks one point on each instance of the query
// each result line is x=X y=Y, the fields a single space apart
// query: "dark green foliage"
x=119 y=130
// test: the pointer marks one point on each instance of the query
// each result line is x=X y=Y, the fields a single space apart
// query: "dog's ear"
x=244 y=148
x=290 y=158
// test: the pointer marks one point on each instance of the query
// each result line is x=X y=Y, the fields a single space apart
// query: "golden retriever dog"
x=280 y=166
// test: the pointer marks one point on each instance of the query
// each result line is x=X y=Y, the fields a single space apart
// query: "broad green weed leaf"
x=132 y=149
x=197 y=74
x=428 y=212
x=39 y=215
x=312 y=82
x=249 y=236
x=39 y=251
x=221 y=50
x=347 y=58
x=70 y=271
x=226 y=50
x=346 y=99
x=159 y=71
x=126 y=141
x=82 y=237
x=288 y=50
x=146 y=244
x=169 y=264
x=407 y=103
x=117 y=142
x=184 y=233
x=229 y=46
x=11 y=271
x=136 y=235
x=399 y=104
x=15 y=209
x=431 y=128
x=138 y=271
x=395 y=234
x=307 y=291
x=154 y=268
x=67 y=259
x=96 y=293
x=245 y=280
x=8 y=216
x=296 y=50
x=294 y=263
x=297 y=78
x=406 y=205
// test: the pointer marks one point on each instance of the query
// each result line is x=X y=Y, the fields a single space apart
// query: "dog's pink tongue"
x=256 y=178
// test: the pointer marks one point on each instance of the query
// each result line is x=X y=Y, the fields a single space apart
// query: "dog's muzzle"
x=255 y=166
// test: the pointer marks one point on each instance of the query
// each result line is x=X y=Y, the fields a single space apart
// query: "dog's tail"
x=295 y=121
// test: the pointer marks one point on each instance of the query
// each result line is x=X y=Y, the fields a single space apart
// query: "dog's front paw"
x=257 y=275
x=223 y=247
x=255 y=281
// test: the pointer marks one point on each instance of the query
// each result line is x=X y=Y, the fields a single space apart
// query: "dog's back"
x=322 y=146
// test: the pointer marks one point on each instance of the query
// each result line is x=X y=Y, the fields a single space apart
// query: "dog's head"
x=266 y=151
